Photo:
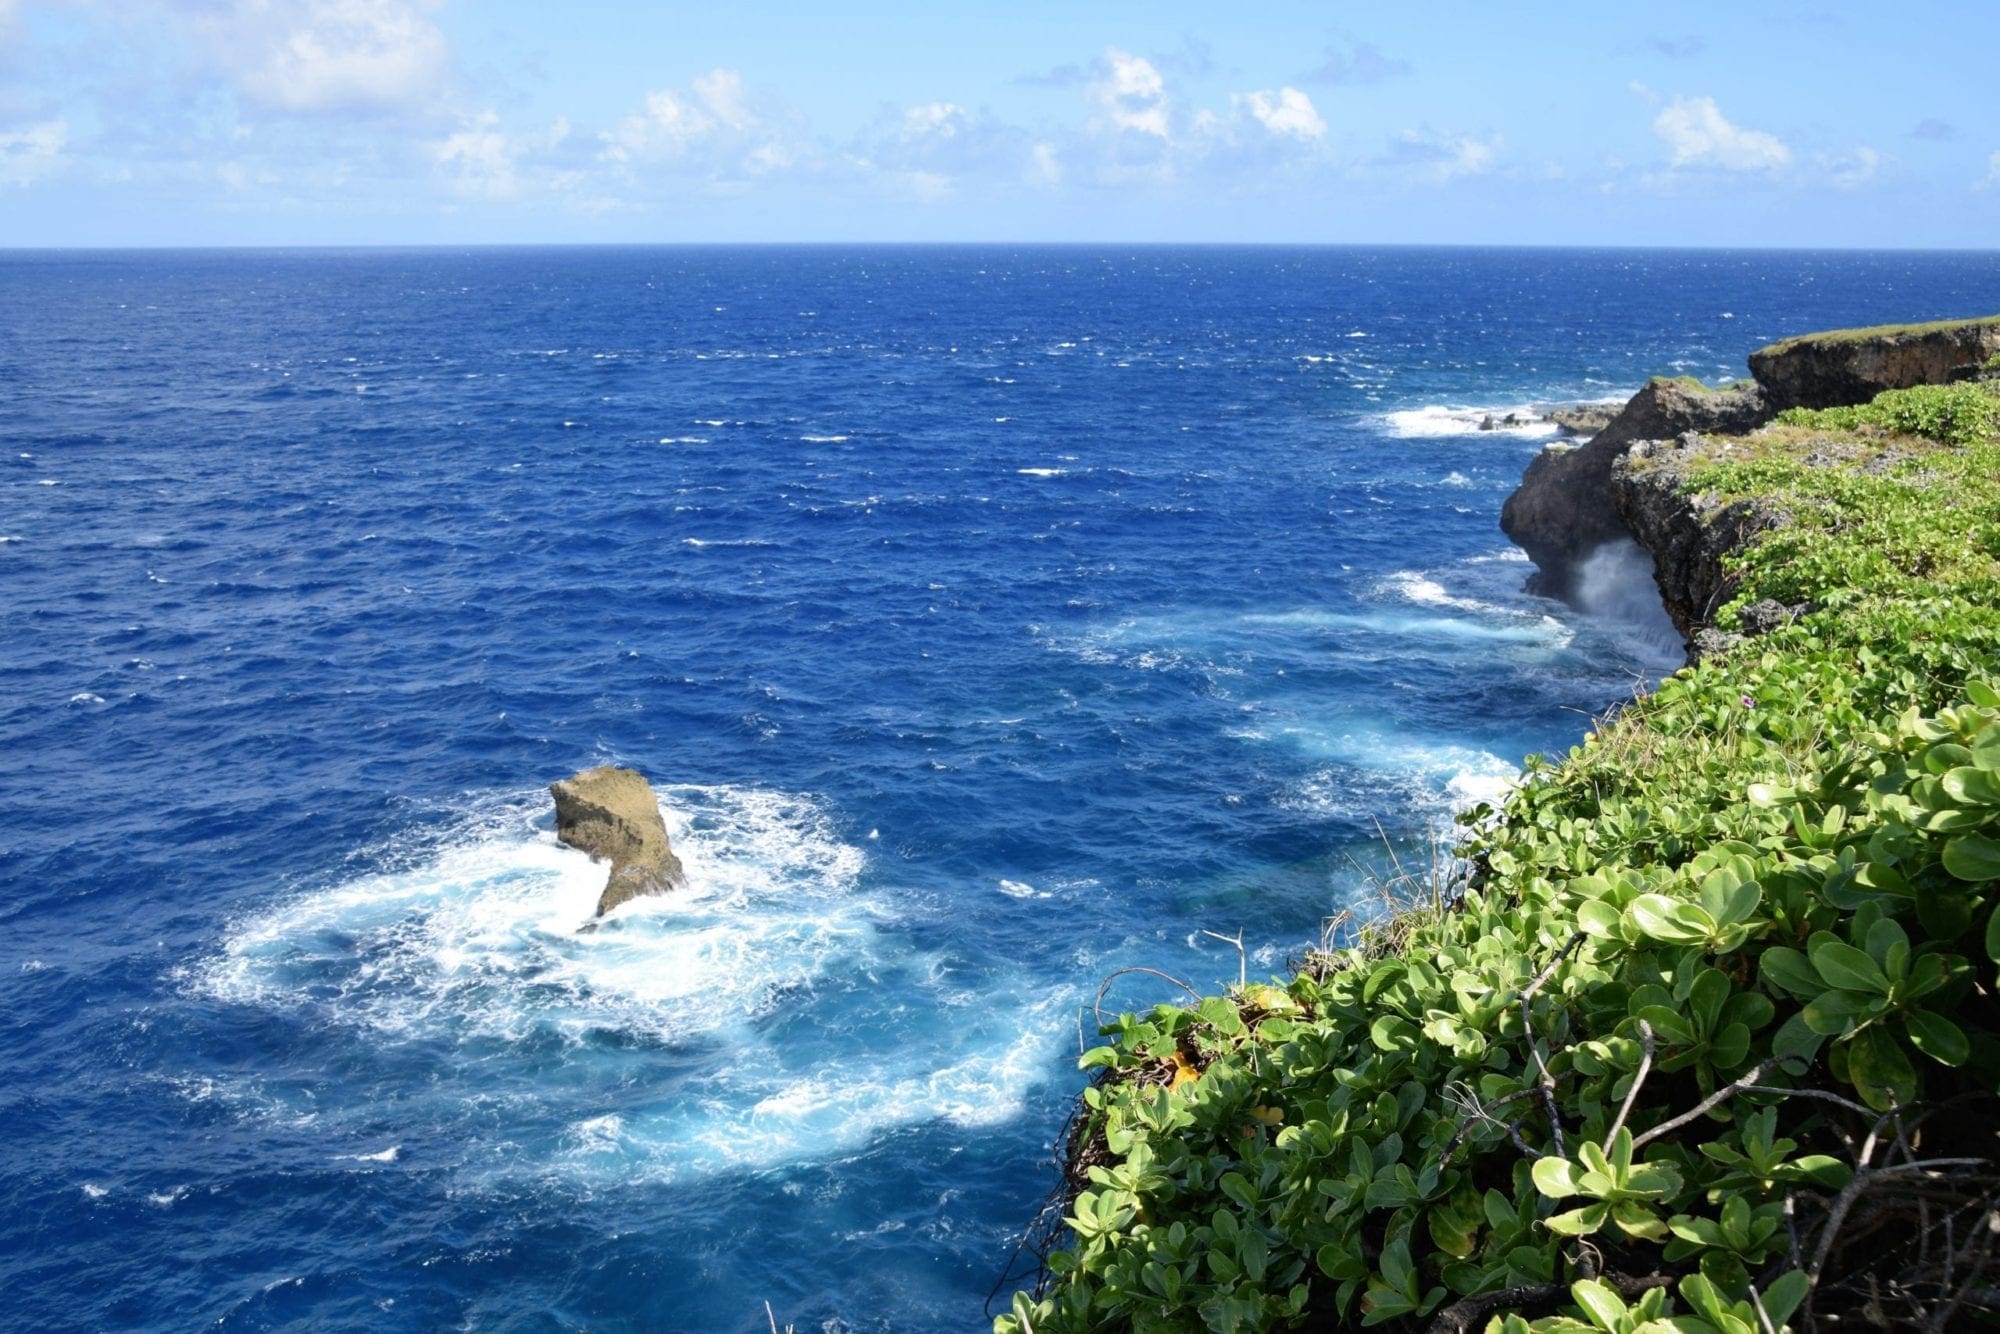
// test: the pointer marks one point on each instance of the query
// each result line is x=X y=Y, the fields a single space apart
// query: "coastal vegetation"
x=1696 y=1032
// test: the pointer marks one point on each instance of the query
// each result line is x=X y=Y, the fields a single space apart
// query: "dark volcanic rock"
x=1853 y=365
x=1689 y=535
x=611 y=813
x=1565 y=507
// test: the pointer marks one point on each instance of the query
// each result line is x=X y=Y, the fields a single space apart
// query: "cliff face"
x=1688 y=535
x=1566 y=506
x=1573 y=499
x=1853 y=365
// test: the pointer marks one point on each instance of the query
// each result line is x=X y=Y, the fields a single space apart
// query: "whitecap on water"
x=480 y=940
x=800 y=1020
x=1436 y=421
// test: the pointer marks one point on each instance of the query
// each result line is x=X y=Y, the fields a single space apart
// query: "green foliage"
x=1779 y=871
x=1954 y=414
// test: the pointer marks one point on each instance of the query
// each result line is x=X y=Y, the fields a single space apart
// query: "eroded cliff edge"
x=1627 y=480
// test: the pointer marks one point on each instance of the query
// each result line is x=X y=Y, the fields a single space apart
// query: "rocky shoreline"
x=1625 y=482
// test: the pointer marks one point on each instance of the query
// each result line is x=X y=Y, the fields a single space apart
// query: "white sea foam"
x=388 y=1155
x=480 y=940
x=760 y=1113
x=1435 y=421
x=1020 y=890
x=93 y=1191
x=5 y=538
x=469 y=945
x=1042 y=472
x=167 y=1199
x=824 y=439
x=1437 y=778
x=683 y=439
x=86 y=697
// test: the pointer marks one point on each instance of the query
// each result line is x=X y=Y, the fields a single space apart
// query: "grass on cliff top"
x=1707 y=1041
x=1873 y=331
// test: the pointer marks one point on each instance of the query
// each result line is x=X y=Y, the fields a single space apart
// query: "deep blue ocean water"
x=989 y=618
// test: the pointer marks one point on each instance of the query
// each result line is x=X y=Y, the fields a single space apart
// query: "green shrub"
x=1954 y=414
x=1701 y=970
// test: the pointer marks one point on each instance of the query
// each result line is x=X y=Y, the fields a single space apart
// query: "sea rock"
x=1565 y=507
x=1585 y=419
x=611 y=813
x=1826 y=370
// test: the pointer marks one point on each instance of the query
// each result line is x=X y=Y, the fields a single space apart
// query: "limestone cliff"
x=1573 y=499
x=1828 y=370
x=1565 y=508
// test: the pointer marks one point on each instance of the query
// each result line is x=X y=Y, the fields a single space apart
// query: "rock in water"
x=611 y=813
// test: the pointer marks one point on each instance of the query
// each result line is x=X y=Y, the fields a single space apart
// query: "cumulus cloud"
x=1992 y=180
x=1131 y=93
x=946 y=119
x=1355 y=62
x=1697 y=134
x=312 y=56
x=482 y=161
x=31 y=152
x=1285 y=112
x=1856 y=169
x=713 y=108
x=1441 y=157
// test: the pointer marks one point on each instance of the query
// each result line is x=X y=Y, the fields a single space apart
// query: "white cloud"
x=1699 y=135
x=713 y=106
x=1047 y=167
x=331 y=55
x=1286 y=112
x=480 y=160
x=1132 y=93
x=1992 y=181
x=483 y=161
x=944 y=119
x=1441 y=157
x=30 y=153
x=1856 y=169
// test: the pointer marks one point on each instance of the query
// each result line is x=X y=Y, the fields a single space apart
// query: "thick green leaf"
x=1789 y=970
x=1844 y=966
x=1972 y=857
x=1882 y=1074
x=1600 y=1301
x=1556 y=1178
x=1938 y=1037
x=1971 y=786
x=1658 y=917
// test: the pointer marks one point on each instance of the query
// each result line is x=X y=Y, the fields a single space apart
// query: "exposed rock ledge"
x=1574 y=499
x=612 y=813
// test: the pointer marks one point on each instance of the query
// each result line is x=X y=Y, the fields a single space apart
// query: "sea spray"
x=1615 y=583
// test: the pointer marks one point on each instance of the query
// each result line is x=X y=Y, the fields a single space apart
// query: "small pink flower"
x=1748 y=703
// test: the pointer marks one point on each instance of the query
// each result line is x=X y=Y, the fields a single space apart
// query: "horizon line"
x=8 y=249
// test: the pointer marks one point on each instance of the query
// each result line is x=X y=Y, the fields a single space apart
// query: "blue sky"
x=175 y=122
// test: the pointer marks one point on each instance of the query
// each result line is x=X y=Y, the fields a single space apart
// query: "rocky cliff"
x=1573 y=499
x=1565 y=507
x=1827 y=370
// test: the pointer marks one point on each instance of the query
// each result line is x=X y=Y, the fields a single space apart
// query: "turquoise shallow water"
x=991 y=618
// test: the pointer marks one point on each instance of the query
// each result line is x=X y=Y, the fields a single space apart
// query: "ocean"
x=990 y=619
